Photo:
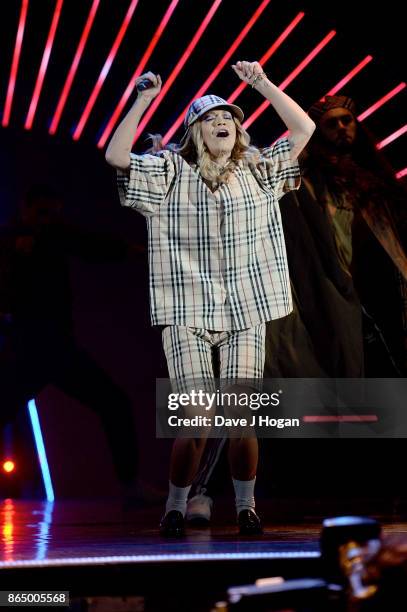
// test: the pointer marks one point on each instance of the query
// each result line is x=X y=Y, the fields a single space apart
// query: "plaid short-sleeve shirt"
x=216 y=260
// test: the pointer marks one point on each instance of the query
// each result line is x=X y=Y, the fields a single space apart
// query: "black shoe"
x=249 y=523
x=172 y=524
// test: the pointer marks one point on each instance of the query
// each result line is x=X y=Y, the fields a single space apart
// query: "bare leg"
x=185 y=458
x=244 y=450
x=243 y=457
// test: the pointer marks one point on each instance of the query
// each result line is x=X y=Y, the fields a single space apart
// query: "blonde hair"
x=195 y=152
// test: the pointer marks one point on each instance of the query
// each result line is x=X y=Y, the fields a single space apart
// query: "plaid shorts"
x=190 y=351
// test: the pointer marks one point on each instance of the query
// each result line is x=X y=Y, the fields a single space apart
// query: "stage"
x=97 y=549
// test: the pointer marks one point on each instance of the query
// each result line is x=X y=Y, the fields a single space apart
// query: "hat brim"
x=236 y=110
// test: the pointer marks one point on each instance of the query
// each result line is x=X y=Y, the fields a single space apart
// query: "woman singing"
x=217 y=258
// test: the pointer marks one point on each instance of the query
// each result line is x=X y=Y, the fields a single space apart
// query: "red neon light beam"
x=349 y=76
x=342 y=418
x=188 y=51
x=15 y=62
x=130 y=87
x=401 y=173
x=44 y=65
x=105 y=70
x=301 y=66
x=386 y=141
x=219 y=67
x=381 y=101
x=374 y=107
x=268 y=54
x=74 y=67
x=344 y=81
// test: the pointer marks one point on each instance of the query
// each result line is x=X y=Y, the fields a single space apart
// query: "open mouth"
x=222 y=134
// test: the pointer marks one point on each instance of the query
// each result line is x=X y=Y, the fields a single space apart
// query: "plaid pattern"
x=217 y=260
x=189 y=356
x=201 y=105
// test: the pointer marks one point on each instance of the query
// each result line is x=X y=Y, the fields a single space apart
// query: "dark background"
x=362 y=29
x=111 y=301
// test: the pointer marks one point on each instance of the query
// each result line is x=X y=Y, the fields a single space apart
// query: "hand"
x=247 y=71
x=152 y=92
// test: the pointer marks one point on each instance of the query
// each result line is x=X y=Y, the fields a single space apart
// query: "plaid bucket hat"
x=200 y=106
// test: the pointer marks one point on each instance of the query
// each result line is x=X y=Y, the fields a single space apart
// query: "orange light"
x=9 y=466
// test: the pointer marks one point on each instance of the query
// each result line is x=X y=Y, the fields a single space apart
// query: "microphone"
x=144 y=84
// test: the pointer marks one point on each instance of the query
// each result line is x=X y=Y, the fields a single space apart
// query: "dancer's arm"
x=119 y=149
x=301 y=126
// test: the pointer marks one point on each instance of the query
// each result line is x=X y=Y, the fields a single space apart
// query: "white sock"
x=244 y=494
x=177 y=499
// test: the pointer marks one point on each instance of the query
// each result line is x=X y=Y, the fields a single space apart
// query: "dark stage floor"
x=83 y=532
x=96 y=548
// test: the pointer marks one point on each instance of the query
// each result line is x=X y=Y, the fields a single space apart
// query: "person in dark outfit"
x=323 y=336
x=364 y=206
x=38 y=345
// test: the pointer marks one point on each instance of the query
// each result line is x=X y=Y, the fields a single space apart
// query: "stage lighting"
x=9 y=466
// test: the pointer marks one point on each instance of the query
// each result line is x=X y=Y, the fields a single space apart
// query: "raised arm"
x=301 y=126
x=119 y=149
